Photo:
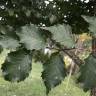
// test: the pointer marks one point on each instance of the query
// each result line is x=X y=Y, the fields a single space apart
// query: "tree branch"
x=70 y=53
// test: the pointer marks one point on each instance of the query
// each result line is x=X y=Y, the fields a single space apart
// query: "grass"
x=33 y=86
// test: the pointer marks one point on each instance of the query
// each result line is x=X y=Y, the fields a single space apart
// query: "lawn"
x=33 y=86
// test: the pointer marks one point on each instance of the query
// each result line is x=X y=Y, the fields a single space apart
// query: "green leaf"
x=31 y=37
x=62 y=34
x=17 y=65
x=54 y=71
x=8 y=38
x=9 y=42
x=92 y=23
x=88 y=73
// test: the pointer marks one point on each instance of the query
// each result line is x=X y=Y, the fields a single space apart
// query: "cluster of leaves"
x=27 y=43
x=46 y=12
x=29 y=27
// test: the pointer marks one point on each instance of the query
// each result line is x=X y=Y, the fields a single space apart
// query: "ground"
x=33 y=86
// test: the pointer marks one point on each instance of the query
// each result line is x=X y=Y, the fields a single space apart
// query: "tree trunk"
x=93 y=92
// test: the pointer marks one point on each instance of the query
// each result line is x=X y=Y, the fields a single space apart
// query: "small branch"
x=74 y=57
x=71 y=54
x=60 y=49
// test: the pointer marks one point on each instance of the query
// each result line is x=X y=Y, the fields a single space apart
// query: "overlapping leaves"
x=62 y=34
x=18 y=63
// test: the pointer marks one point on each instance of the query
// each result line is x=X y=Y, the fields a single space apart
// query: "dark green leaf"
x=92 y=23
x=31 y=37
x=9 y=42
x=88 y=73
x=54 y=71
x=8 y=38
x=17 y=65
x=62 y=34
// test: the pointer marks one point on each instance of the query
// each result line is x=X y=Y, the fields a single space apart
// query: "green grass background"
x=33 y=85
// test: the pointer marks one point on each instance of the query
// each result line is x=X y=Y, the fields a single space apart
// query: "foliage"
x=87 y=76
x=54 y=71
x=92 y=23
x=31 y=37
x=17 y=65
x=27 y=28
x=8 y=38
x=66 y=37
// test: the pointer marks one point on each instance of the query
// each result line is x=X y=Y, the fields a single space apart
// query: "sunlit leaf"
x=31 y=37
x=62 y=34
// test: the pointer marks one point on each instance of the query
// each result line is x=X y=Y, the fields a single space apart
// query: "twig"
x=60 y=49
x=71 y=54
